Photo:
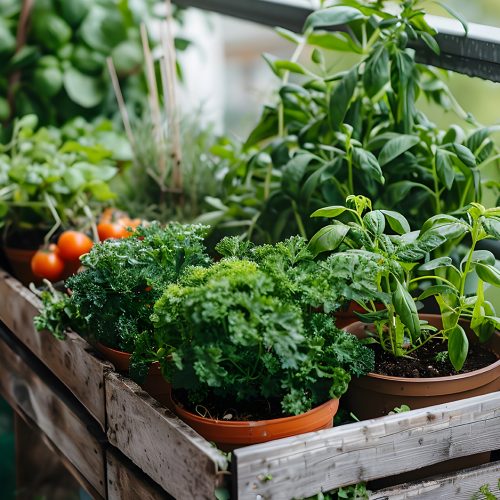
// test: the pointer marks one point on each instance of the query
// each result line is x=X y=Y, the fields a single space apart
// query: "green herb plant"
x=396 y=263
x=112 y=298
x=55 y=177
x=333 y=133
x=236 y=333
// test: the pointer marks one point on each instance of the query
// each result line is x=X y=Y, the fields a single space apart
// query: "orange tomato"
x=46 y=263
x=72 y=244
x=108 y=230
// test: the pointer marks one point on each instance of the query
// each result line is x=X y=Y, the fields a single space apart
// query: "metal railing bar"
x=477 y=54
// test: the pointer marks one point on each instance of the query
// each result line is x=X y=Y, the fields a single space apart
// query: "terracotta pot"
x=154 y=384
x=376 y=395
x=384 y=393
x=20 y=263
x=228 y=435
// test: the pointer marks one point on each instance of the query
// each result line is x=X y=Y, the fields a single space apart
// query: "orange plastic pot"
x=20 y=263
x=228 y=435
x=154 y=384
x=376 y=395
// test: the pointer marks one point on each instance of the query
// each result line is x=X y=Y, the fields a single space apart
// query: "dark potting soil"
x=225 y=410
x=423 y=363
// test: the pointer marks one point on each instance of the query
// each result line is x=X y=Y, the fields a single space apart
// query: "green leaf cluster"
x=50 y=174
x=115 y=294
x=360 y=131
x=373 y=266
x=60 y=71
x=244 y=330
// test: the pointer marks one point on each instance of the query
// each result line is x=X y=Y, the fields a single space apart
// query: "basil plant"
x=377 y=259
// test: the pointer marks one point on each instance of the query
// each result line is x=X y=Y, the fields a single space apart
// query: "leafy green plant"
x=57 y=69
x=396 y=263
x=112 y=299
x=52 y=177
x=360 y=131
x=236 y=333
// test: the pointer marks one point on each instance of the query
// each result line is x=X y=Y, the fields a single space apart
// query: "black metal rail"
x=477 y=54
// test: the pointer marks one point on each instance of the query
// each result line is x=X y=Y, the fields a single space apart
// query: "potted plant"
x=49 y=181
x=431 y=351
x=249 y=363
x=337 y=131
x=111 y=300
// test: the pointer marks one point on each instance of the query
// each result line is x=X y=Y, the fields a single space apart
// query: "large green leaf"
x=367 y=161
x=329 y=212
x=398 y=222
x=436 y=263
x=444 y=168
x=396 y=147
x=376 y=72
x=375 y=222
x=86 y=91
x=488 y=273
x=406 y=309
x=328 y=238
x=333 y=16
x=293 y=173
x=341 y=98
x=458 y=347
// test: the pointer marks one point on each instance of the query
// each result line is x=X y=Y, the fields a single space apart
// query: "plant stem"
x=298 y=219
x=430 y=337
x=421 y=278
x=57 y=219
x=436 y=186
x=474 y=236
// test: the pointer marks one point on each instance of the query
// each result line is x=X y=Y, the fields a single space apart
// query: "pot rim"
x=427 y=380
x=334 y=403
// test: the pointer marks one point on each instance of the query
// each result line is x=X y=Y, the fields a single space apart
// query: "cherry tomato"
x=46 y=263
x=72 y=244
x=108 y=230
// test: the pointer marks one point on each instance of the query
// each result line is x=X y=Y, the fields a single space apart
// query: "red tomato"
x=72 y=244
x=108 y=230
x=47 y=264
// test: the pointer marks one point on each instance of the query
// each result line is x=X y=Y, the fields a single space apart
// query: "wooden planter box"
x=151 y=451
x=72 y=362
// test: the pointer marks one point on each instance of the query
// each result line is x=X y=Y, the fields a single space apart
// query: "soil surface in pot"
x=225 y=410
x=423 y=362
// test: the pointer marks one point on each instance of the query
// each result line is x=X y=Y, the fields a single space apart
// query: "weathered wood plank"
x=72 y=361
x=128 y=482
x=162 y=446
x=302 y=466
x=460 y=485
x=41 y=470
x=32 y=394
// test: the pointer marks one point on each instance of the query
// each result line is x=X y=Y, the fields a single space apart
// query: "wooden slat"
x=458 y=486
x=36 y=397
x=128 y=482
x=41 y=470
x=72 y=361
x=305 y=465
x=162 y=446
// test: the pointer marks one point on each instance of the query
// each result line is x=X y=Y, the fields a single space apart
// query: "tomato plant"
x=72 y=244
x=108 y=230
x=47 y=263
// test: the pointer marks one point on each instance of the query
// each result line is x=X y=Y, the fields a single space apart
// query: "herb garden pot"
x=154 y=384
x=19 y=260
x=376 y=395
x=384 y=393
x=228 y=435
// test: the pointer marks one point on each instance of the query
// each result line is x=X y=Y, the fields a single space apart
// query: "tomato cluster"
x=57 y=261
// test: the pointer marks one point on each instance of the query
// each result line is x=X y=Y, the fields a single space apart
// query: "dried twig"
x=154 y=103
x=120 y=101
